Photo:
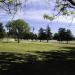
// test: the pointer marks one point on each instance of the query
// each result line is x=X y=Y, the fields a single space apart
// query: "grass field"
x=37 y=58
x=26 y=46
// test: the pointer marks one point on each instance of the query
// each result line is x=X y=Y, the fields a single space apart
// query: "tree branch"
x=72 y=2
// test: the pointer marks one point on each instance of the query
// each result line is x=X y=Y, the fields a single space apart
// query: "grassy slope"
x=32 y=46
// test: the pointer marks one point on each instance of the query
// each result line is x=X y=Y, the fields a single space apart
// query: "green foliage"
x=65 y=12
x=56 y=36
x=10 y=6
x=13 y=5
x=17 y=28
x=30 y=35
x=48 y=33
x=45 y=34
x=2 y=31
x=10 y=1
x=48 y=17
x=42 y=34
x=69 y=35
x=64 y=5
x=73 y=12
x=63 y=35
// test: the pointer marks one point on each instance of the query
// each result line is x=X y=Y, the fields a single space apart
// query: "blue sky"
x=33 y=14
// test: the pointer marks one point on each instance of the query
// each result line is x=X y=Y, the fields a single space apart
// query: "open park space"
x=33 y=46
x=37 y=37
x=37 y=58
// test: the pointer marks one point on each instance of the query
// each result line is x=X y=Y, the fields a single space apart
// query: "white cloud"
x=66 y=19
x=33 y=1
x=32 y=15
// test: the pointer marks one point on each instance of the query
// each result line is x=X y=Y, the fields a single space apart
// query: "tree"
x=32 y=36
x=61 y=34
x=69 y=36
x=17 y=28
x=48 y=33
x=26 y=35
x=35 y=36
x=2 y=31
x=55 y=37
x=42 y=34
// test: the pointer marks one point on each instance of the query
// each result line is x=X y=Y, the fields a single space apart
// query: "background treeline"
x=19 y=29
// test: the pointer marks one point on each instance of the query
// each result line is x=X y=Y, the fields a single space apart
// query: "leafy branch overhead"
x=61 y=7
x=48 y=17
x=10 y=6
x=65 y=7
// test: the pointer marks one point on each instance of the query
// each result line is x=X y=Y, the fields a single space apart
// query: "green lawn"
x=26 y=46
x=25 y=58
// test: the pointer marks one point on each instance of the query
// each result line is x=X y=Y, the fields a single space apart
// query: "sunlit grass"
x=24 y=47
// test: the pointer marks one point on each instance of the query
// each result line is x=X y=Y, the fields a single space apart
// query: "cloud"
x=65 y=19
x=32 y=15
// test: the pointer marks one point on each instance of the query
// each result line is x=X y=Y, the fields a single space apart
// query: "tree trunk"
x=18 y=40
x=40 y=40
x=47 y=40
x=67 y=41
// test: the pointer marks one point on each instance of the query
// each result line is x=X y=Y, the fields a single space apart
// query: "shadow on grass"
x=38 y=63
x=70 y=48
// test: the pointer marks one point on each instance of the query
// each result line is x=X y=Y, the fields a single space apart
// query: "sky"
x=33 y=13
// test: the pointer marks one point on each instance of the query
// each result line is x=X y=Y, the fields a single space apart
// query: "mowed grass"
x=24 y=47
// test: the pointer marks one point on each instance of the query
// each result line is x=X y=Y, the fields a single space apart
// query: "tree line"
x=19 y=29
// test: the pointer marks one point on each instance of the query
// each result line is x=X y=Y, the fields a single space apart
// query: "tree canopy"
x=17 y=28
x=2 y=31
x=48 y=33
x=45 y=34
x=63 y=35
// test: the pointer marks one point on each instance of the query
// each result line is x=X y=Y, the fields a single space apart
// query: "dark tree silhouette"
x=2 y=31
x=55 y=37
x=69 y=36
x=48 y=33
x=63 y=35
x=42 y=34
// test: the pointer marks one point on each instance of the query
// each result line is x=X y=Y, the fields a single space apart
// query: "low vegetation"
x=26 y=46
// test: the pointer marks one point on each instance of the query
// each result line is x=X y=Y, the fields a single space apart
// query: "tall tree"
x=55 y=37
x=61 y=34
x=2 y=31
x=18 y=28
x=42 y=34
x=69 y=35
x=32 y=36
x=48 y=33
